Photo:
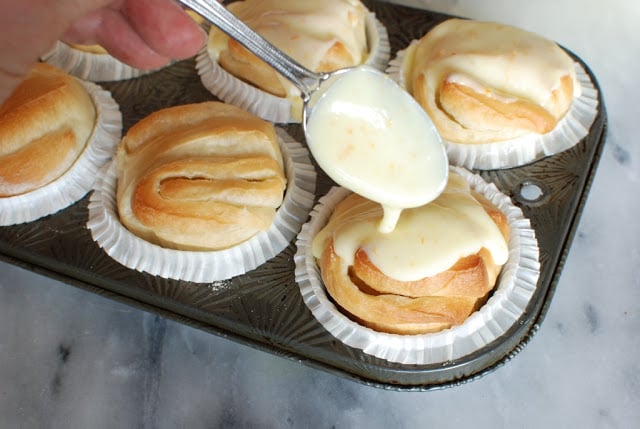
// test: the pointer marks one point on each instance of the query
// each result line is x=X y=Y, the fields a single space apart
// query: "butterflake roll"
x=196 y=17
x=484 y=82
x=322 y=36
x=56 y=131
x=404 y=301
x=44 y=127
x=203 y=176
x=435 y=269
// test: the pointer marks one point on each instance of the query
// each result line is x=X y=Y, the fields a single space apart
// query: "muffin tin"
x=263 y=308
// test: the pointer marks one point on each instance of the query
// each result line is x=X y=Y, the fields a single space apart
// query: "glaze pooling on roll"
x=321 y=36
x=426 y=241
x=432 y=272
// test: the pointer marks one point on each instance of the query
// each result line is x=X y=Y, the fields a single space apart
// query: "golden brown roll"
x=483 y=82
x=44 y=127
x=322 y=36
x=436 y=268
x=203 y=176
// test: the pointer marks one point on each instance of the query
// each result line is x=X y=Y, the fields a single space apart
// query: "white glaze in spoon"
x=371 y=137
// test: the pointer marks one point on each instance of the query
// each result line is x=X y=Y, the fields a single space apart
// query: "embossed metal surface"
x=263 y=308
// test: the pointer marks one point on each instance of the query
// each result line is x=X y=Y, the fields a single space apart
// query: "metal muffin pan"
x=263 y=308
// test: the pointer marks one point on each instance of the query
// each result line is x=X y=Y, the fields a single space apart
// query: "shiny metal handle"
x=305 y=80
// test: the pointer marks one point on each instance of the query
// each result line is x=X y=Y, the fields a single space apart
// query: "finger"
x=165 y=27
x=20 y=44
x=111 y=30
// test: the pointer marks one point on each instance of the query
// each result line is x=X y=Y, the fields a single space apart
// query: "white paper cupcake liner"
x=206 y=266
x=79 y=179
x=514 y=290
x=234 y=91
x=91 y=66
x=526 y=149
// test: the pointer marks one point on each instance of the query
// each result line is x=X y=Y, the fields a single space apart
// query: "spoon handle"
x=304 y=79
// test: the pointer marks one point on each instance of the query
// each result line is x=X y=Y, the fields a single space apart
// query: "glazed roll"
x=436 y=268
x=322 y=36
x=484 y=82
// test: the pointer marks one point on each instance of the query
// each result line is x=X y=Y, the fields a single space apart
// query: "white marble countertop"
x=73 y=359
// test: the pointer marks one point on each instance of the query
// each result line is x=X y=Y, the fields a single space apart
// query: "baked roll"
x=322 y=36
x=203 y=176
x=483 y=82
x=436 y=268
x=44 y=127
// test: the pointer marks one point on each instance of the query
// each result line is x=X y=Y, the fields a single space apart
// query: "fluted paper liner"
x=569 y=131
x=79 y=179
x=515 y=287
x=89 y=65
x=206 y=266
x=234 y=91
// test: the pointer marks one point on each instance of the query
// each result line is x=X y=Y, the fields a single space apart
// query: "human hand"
x=142 y=33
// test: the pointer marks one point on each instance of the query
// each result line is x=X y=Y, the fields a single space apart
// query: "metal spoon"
x=406 y=167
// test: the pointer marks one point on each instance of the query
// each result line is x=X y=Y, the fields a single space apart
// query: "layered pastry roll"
x=482 y=82
x=454 y=276
x=203 y=176
x=201 y=192
x=499 y=96
x=56 y=131
x=321 y=35
x=44 y=127
x=436 y=268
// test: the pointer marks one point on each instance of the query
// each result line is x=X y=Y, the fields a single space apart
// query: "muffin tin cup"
x=508 y=301
x=79 y=179
x=205 y=266
x=569 y=131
